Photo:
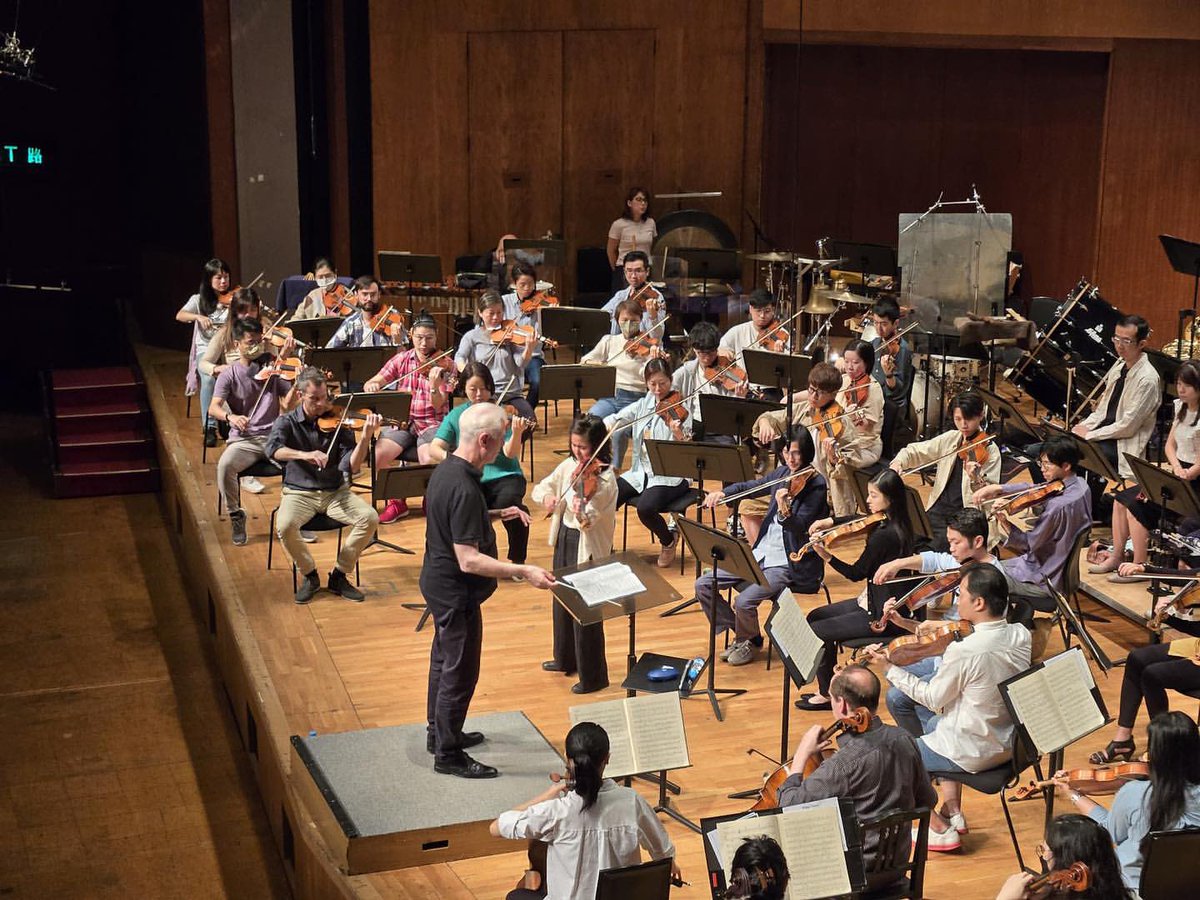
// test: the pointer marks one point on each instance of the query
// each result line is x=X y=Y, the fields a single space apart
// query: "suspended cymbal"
x=775 y=256
x=819 y=263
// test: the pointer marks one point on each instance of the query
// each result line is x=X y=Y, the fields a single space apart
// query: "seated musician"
x=1134 y=515
x=364 y=328
x=1045 y=552
x=650 y=302
x=879 y=770
x=430 y=387
x=583 y=508
x=1070 y=839
x=893 y=370
x=689 y=379
x=956 y=478
x=313 y=306
x=789 y=516
x=754 y=335
x=759 y=871
x=524 y=279
x=891 y=539
x=316 y=479
x=589 y=823
x=972 y=730
x=649 y=493
x=506 y=361
x=206 y=313
x=630 y=365
x=503 y=482
x=251 y=408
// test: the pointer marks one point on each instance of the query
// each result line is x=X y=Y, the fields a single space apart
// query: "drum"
x=918 y=401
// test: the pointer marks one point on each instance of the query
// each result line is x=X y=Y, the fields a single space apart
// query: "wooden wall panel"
x=1151 y=178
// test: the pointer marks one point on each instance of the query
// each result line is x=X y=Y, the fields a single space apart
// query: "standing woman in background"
x=634 y=230
x=205 y=311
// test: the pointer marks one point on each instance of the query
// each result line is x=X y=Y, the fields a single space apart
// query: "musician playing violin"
x=956 y=479
x=320 y=300
x=1072 y=839
x=691 y=381
x=879 y=770
x=764 y=316
x=315 y=480
x=1046 y=551
x=649 y=299
x=250 y=407
x=507 y=361
x=206 y=313
x=524 y=281
x=430 y=381
x=362 y=328
x=793 y=508
x=582 y=504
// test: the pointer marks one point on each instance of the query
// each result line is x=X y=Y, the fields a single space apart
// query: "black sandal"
x=1116 y=751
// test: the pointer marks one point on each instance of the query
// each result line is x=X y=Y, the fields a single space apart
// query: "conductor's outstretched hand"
x=538 y=577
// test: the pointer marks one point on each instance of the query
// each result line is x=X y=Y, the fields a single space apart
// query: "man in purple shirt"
x=1045 y=551
x=251 y=408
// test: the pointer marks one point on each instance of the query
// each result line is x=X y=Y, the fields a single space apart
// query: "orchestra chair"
x=1000 y=780
x=646 y=881
x=319 y=522
x=1169 y=868
x=264 y=468
x=899 y=863
x=681 y=506
x=1070 y=581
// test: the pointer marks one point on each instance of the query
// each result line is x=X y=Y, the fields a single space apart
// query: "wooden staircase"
x=100 y=432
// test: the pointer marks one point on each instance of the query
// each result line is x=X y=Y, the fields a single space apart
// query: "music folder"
x=1055 y=702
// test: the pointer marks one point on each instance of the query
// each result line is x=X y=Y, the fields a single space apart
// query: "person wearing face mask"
x=631 y=386
x=507 y=361
x=637 y=272
x=361 y=328
x=313 y=304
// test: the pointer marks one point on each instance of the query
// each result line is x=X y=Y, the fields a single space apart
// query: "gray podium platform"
x=379 y=804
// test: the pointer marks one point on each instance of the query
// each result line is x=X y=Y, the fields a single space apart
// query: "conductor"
x=459 y=572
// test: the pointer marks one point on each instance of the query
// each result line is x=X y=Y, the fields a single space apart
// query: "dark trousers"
x=533 y=380
x=453 y=674
x=504 y=492
x=1149 y=672
x=577 y=647
x=650 y=504
x=842 y=621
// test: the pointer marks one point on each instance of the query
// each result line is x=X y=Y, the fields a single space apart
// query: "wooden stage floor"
x=338 y=666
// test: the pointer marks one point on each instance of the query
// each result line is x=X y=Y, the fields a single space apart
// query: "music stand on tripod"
x=787 y=371
x=866 y=260
x=733 y=416
x=1184 y=257
x=400 y=483
x=353 y=365
x=734 y=556
x=574 y=383
x=710 y=265
x=1172 y=494
x=394 y=405
x=314 y=333
x=576 y=326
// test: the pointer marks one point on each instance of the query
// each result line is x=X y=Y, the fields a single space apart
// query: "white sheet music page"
x=813 y=834
x=605 y=583
x=731 y=834
x=610 y=715
x=793 y=636
x=656 y=725
x=1069 y=681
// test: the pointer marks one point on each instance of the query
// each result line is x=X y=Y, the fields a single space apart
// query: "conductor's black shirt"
x=455 y=513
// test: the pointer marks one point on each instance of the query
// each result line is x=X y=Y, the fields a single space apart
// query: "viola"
x=1076 y=878
x=904 y=651
x=1016 y=503
x=768 y=798
x=518 y=335
x=355 y=419
x=1090 y=780
x=925 y=594
x=775 y=338
x=671 y=408
x=839 y=532
x=284 y=368
x=729 y=377
x=1188 y=598
x=387 y=316
x=538 y=300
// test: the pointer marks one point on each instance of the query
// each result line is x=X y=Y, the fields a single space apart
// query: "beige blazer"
x=925 y=451
x=601 y=510
x=1137 y=411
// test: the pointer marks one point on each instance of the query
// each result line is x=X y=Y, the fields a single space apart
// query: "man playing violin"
x=650 y=301
x=1044 y=553
x=250 y=407
x=691 y=381
x=973 y=730
x=793 y=508
x=893 y=360
x=764 y=316
x=524 y=279
x=316 y=479
x=879 y=770
x=363 y=328
x=430 y=382
x=507 y=361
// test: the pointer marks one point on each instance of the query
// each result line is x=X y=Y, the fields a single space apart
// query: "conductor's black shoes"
x=465 y=767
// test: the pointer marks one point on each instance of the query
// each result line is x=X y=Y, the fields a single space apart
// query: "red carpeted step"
x=96 y=479
x=73 y=379
x=131 y=446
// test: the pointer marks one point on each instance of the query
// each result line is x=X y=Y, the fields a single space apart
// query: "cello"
x=857 y=722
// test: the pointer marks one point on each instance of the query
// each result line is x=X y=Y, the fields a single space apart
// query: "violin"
x=519 y=335
x=646 y=294
x=858 y=391
x=224 y=298
x=387 y=316
x=838 y=532
x=776 y=338
x=1091 y=780
x=284 y=368
x=973 y=450
x=355 y=419
x=768 y=798
x=514 y=415
x=1016 y=503
x=279 y=335
x=671 y=408
x=729 y=377
x=586 y=479
x=924 y=594
x=904 y=651
x=1188 y=598
x=334 y=298
x=829 y=421
x=643 y=345
x=538 y=300
x=798 y=482
x=1076 y=878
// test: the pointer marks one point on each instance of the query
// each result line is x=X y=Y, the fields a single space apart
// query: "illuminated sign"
x=22 y=155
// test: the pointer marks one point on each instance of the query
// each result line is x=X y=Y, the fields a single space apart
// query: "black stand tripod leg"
x=425 y=613
x=664 y=802
x=711 y=691
x=678 y=608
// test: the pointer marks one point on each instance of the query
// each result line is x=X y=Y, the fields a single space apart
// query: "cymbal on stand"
x=775 y=256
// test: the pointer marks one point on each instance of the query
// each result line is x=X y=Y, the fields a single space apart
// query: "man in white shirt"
x=972 y=730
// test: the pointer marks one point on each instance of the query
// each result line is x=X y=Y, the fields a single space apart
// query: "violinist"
x=957 y=478
x=1168 y=801
x=650 y=301
x=524 y=279
x=250 y=407
x=1045 y=552
x=862 y=397
x=628 y=352
x=583 y=506
x=764 y=315
x=430 y=383
x=691 y=381
x=879 y=770
x=320 y=301
x=222 y=349
x=206 y=313
x=652 y=494
x=362 y=328
x=893 y=362
x=973 y=729
x=316 y=479
x=759 y=871
x=1071 y=839
x=506 y=361
x=789 y=516
x=893 y=539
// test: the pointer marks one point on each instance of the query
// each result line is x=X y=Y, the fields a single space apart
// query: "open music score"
x=794 y=638
x=1056 y=702
x=645 y=733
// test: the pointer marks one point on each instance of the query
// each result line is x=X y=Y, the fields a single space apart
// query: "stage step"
x=100 y=432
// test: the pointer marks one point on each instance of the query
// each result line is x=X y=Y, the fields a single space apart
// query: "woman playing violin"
x=506 y=361
x=798 y=498
x=364 y=328
x=524 y=280
x=325 y=298
x=430 y=381
x=222 y=349
x=692 y=378
x=861 y=396
x=583 y=505
x=650 y=301
x=206 y=313
x=1071 y=839
x=893 y=539
x=764 y=315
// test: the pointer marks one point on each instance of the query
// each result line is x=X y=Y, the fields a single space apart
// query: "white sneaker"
x=958 y=822
x=253 y=485
x=741 y=653
x=941 y=841
x=307 y=536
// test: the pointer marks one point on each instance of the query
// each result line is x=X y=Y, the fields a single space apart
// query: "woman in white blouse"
x=634 y=230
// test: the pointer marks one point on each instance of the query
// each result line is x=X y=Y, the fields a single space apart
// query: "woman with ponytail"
x=587 y=822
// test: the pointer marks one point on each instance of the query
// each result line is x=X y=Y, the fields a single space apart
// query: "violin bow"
x=746 y=493
x=336 y=431
x=757 y=342
x=971 y=446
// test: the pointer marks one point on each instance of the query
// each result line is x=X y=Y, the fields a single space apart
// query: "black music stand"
x=574 y=383
x=710 y=265
x=733 y=416
x=734 y=556
x=399 y=483
x=1090 y=458
x=409 y=268
x=1184 y=257
x=394 y=405
x=576 y=326
x=866 y=259
x=315 y=333
x=353 y=365
x=1073 y=619
x=1007 y=414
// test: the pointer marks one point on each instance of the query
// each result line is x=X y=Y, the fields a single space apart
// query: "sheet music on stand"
x=1056 y=702
x=645 y=733
x=605 y=584
x=797 y=643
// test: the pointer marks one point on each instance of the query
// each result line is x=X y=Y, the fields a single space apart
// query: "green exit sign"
x=22 y=155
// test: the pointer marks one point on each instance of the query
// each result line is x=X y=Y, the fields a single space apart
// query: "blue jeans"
x=908 y=713
x=208 y=384
x=935 y=762
x=605 y=407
